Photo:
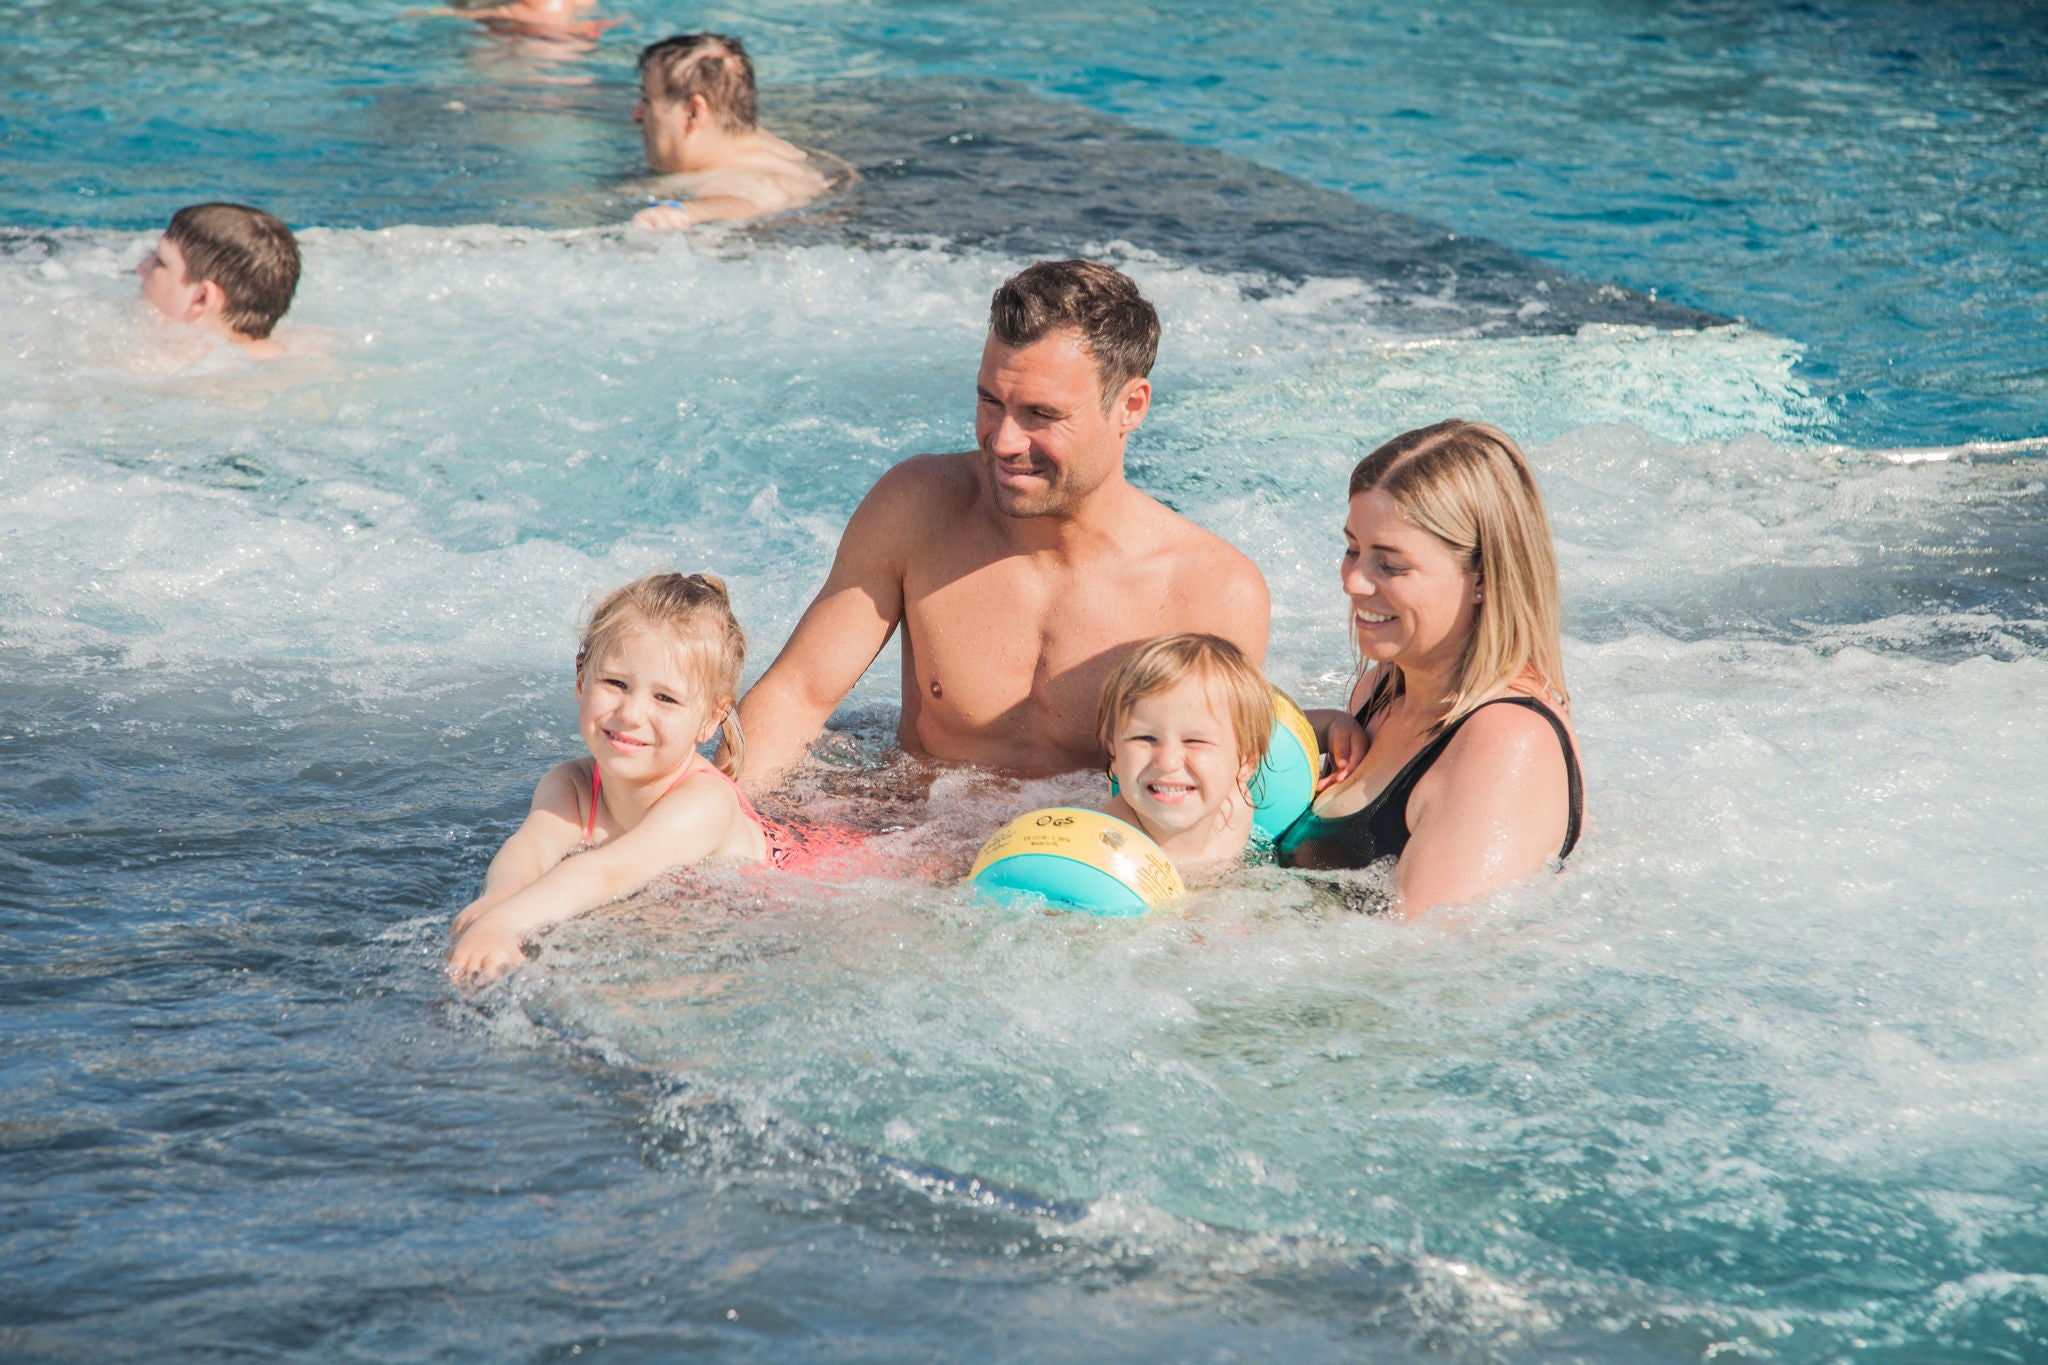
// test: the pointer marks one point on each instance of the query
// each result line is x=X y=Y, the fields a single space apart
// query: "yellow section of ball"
x=1084 y=839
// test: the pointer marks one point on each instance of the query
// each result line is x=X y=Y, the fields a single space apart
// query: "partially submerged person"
x=700 y=125
x=1469 y=778
x=536 y=18
x=1021 y=571
x=227 y=270
x=1186 y=720
x=655 y=676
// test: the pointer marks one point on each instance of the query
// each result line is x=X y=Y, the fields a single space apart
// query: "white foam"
x=1805 y=878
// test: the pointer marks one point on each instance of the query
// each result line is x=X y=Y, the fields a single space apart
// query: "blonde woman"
x=1469 y=777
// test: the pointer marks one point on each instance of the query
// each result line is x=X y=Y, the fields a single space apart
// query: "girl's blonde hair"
x=1159 y=664
x=1469 y=486
x=695 y=613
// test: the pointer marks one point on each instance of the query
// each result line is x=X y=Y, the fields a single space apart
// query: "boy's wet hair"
x=251 y=255
x=709 y=64
x=695 y=613
x=1120 y=329
x=1246 y=698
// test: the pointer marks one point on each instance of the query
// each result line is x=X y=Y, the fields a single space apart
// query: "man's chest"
x=1014 y=633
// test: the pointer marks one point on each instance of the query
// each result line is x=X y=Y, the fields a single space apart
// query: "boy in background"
x=226 y=269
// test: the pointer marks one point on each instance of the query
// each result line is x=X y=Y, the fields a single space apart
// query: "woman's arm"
x=1492 y=811
x=552 y=827
x=691 y=823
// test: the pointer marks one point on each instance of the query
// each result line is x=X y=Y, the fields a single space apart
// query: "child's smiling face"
x=1176 y=759
x=639 y=711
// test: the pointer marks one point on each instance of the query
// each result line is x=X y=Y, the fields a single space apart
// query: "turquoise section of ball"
x=1063 y=881
x=1284 y=784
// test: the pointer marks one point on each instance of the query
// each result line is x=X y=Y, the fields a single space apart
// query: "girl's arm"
x=553 y=826
x=1339 y=735
x=693 y=822
x=1492 y=811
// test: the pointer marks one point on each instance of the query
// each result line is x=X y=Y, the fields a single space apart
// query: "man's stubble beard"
x=1060 y=497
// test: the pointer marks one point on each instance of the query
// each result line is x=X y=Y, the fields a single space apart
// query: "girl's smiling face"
x=640 y=714
x=1176 y=760
x=1413 y=601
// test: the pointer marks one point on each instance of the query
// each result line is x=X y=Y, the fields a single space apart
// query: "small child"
x=656 y=675
x=1186 y=720
x=227 y=269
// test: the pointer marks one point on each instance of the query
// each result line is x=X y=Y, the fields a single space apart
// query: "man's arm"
x=672 y=215
x=845 y=626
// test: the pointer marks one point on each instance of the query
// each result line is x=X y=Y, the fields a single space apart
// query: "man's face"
x=1046 y=444
x=663 y=127
x=164 y=285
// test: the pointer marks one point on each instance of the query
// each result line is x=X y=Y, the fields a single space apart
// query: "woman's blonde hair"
x=1162 y=663
x=1469 y=486
x=695 y=613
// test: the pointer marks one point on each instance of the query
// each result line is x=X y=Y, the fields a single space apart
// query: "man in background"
x=698 y=119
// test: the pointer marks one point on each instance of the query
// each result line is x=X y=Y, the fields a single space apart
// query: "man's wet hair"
x=1120 y=329
x=248 y=253
x=709 y=64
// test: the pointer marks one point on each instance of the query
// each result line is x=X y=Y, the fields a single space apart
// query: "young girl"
x=1186 y=720
x=656 y=674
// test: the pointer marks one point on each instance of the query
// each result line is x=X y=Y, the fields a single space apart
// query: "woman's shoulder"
x=1517 y=735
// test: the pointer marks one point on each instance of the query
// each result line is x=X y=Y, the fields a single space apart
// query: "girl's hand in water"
x=1345 y=743
x=667 y=217
x=484 y=953
x=470 y=914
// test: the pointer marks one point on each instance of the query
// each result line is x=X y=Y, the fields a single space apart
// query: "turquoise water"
x=282 y=649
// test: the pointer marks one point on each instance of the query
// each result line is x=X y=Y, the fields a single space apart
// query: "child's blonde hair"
x=1161 y=663
x=696 y=612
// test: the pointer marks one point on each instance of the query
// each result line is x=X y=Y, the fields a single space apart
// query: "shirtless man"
x=697 y=118
x=1019 y=571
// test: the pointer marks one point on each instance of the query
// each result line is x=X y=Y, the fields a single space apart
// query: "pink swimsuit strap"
x=738 y=796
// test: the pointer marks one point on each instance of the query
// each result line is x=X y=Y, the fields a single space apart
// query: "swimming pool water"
x=282 y=649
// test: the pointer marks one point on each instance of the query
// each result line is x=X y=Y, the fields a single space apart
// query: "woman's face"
x=1413 y=602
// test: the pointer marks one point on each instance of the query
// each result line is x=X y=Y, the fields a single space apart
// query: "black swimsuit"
x=1380 y=830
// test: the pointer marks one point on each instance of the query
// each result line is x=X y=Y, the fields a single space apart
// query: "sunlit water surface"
x=283 y=647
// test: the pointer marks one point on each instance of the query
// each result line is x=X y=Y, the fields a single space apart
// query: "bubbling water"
x=1774 y=1038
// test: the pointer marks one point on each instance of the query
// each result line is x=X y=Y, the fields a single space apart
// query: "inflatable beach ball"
x=1286 y=782
x=1081 y=859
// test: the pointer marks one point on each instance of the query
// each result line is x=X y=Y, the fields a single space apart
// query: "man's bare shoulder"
x=1218 y=586
x=1192 y=548
x=925 y=485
